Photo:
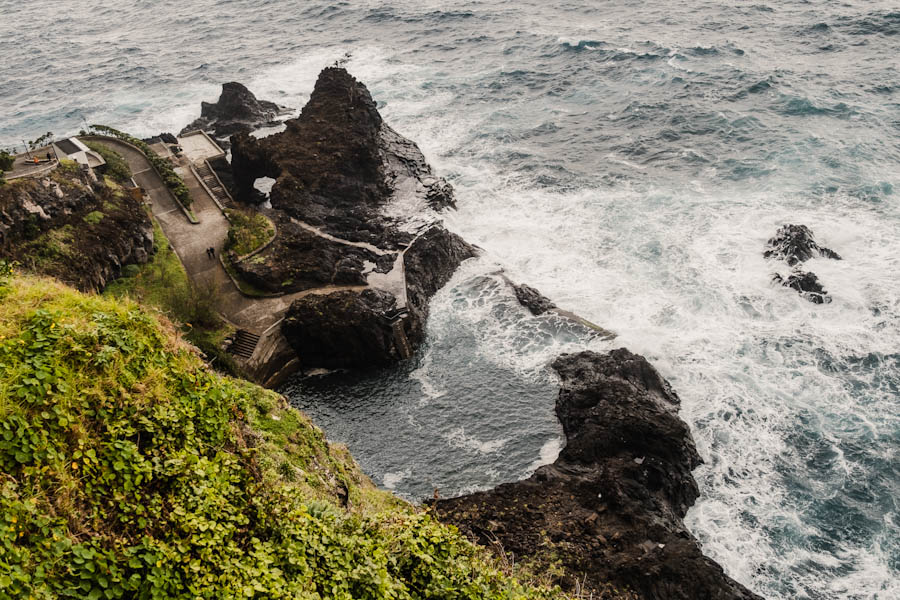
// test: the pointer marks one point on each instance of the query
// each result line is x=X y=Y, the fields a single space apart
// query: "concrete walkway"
x=190 y=241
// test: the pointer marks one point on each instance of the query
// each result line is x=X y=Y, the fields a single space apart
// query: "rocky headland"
x=356 y=206
x=361 y=247
x=610 y=509
x=357 y=210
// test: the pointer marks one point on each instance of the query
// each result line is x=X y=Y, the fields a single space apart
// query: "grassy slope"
x=129 y=470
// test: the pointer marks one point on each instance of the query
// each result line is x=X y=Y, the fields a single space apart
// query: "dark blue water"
x=630 y=159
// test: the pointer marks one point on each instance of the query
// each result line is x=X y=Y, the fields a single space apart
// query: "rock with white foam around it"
x=610 y=509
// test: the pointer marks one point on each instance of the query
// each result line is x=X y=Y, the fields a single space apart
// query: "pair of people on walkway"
x=211 y=252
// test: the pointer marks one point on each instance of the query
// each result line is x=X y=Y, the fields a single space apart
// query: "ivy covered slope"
x=129 y=470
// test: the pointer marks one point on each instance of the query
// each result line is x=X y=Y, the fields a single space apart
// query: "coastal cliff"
x=80 y=231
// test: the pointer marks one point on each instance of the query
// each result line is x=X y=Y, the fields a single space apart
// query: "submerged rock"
x=807 y=284
x=237 y=110
x=356 y=204
x=612 y=505
x=532 y=299
x=794 y=244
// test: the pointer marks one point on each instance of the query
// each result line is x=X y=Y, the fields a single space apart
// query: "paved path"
x=190 y=241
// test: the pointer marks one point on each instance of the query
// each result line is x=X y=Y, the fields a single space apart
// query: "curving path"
x=190 y=241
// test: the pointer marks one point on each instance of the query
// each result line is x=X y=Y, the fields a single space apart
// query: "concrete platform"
x=198 y=146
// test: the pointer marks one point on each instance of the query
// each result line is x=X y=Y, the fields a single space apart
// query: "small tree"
x=44 y=139
x=6 y=161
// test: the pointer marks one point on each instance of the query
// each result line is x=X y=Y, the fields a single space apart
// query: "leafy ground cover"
x=130 y=470
x=248 y=231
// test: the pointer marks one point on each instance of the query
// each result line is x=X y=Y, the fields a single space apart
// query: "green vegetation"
x=41 y=141
x=116 y=167
x=248 y=231
x=172 y=180
x=93 y=217
x=129 y=470
x=163 y=284
x=6 y=161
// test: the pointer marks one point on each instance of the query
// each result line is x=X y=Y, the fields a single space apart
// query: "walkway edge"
x=103 y=138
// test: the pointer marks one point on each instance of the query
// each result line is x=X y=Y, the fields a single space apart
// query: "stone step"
x=244 y=343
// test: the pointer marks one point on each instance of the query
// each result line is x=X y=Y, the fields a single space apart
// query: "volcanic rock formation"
x=612 y=505
x=356 y=206
x=794 y=244
x=237 y=110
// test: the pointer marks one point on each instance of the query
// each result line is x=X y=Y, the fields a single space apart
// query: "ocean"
x=630 y=160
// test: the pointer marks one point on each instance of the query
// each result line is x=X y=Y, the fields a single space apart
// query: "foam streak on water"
x=630 y=161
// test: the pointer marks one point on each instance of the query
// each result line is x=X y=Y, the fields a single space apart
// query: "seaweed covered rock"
x=612 y=505
x=237 y=110
x=357 y=206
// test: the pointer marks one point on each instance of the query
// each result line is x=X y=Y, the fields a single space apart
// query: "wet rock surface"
x=533 y=300
x=80 y=232
x=611 y=507
x=794 y=245
x=342 y=329
x=807 y=284
x=237 y=110
x=356 y=204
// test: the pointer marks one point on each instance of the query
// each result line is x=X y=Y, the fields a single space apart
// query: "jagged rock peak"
x=237 y=110
x=338 y=95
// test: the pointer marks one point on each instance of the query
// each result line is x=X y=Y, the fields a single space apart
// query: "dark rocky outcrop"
x=611 y=507
x=343 y=328
x=807 y=284
x=298 y=260
x=794 y=245
x=81 y=232
x=533 y=300
x=237 y=110
x=355 y=203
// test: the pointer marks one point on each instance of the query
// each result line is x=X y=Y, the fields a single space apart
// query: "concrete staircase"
x=244 y=343
x=212 y=182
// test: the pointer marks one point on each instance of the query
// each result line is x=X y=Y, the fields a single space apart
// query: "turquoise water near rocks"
x=630 y=160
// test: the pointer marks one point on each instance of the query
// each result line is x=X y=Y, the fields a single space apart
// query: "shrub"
x=248 y=231
x=116 y=167
x=93 y=217
x=6 y=161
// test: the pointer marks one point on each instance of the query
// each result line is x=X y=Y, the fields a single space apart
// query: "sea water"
x=630 y=160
